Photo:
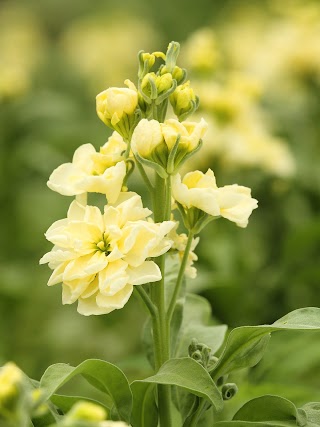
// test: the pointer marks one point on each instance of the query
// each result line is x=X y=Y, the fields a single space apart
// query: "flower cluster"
x=99 y=257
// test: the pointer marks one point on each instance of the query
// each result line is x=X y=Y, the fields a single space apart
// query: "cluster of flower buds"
x=201 y=353
x=162 y=145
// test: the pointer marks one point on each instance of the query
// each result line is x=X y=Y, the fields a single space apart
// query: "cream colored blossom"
x=100 y=257
x=190 y=133
x=233 y=202
x=146 y=137
x=101 y=172
x=114 y=102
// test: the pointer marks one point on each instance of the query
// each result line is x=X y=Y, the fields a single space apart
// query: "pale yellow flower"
x=146 y=137
x=10 y=378
x=233 y=202
x=113 y=103
x=100 y=257
x=90 y=171
x=190 y=133
x=110 y=153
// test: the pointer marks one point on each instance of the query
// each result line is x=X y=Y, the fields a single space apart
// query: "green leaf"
x=144 y=411
x=105 y=376
x=196 y=317
x=189 y=375
x=255 y=424
x=246 y=345
x=312 y=410
x=270 y=408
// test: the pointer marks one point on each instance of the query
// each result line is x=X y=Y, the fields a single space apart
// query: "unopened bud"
x=10 y=379
x=183 y=100
x=86 y=411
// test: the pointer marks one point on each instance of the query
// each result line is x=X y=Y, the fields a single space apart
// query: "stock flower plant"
x=102 y=257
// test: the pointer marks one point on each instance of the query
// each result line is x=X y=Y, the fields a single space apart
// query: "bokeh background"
x=256 y=67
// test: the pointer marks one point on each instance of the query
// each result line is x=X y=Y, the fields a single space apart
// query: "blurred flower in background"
x=104 y=48
x=22 y=47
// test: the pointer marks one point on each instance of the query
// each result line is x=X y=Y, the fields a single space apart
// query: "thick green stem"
x=162 y=212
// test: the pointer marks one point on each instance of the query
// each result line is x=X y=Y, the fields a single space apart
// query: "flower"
x=146 y=137
x=113 y=103
x=190 y=133
x=100 y=257
x=90 y=171
x=233 y=202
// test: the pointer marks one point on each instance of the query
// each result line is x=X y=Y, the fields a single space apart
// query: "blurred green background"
x=256 y=68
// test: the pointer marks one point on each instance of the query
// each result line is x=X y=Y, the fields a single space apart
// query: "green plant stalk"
x=162 y=212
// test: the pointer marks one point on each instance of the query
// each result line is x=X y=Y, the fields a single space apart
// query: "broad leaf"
x=144 y=411
x=105 y=376
x=189 y=375
x=312 y=410
x=270 y=408
x=196 y=318
x=246 y=345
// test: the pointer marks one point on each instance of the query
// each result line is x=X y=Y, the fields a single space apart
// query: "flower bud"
x=10 y=379
x=86 y=411
x=114 y=104
x=152 y=85
x=190 y=133
x=179 y=74
x=146 y=137
x=150 y=58
x=183 y=100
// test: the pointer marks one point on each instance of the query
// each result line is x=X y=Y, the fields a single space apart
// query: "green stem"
x=147 y=301
x=179 y=280
x=162 y=211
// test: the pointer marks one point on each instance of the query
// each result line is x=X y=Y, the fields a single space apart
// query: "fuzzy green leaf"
x=189 y=375
x=270 y=408
x=246 y=345
x=105 y=376
x=312 y=410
